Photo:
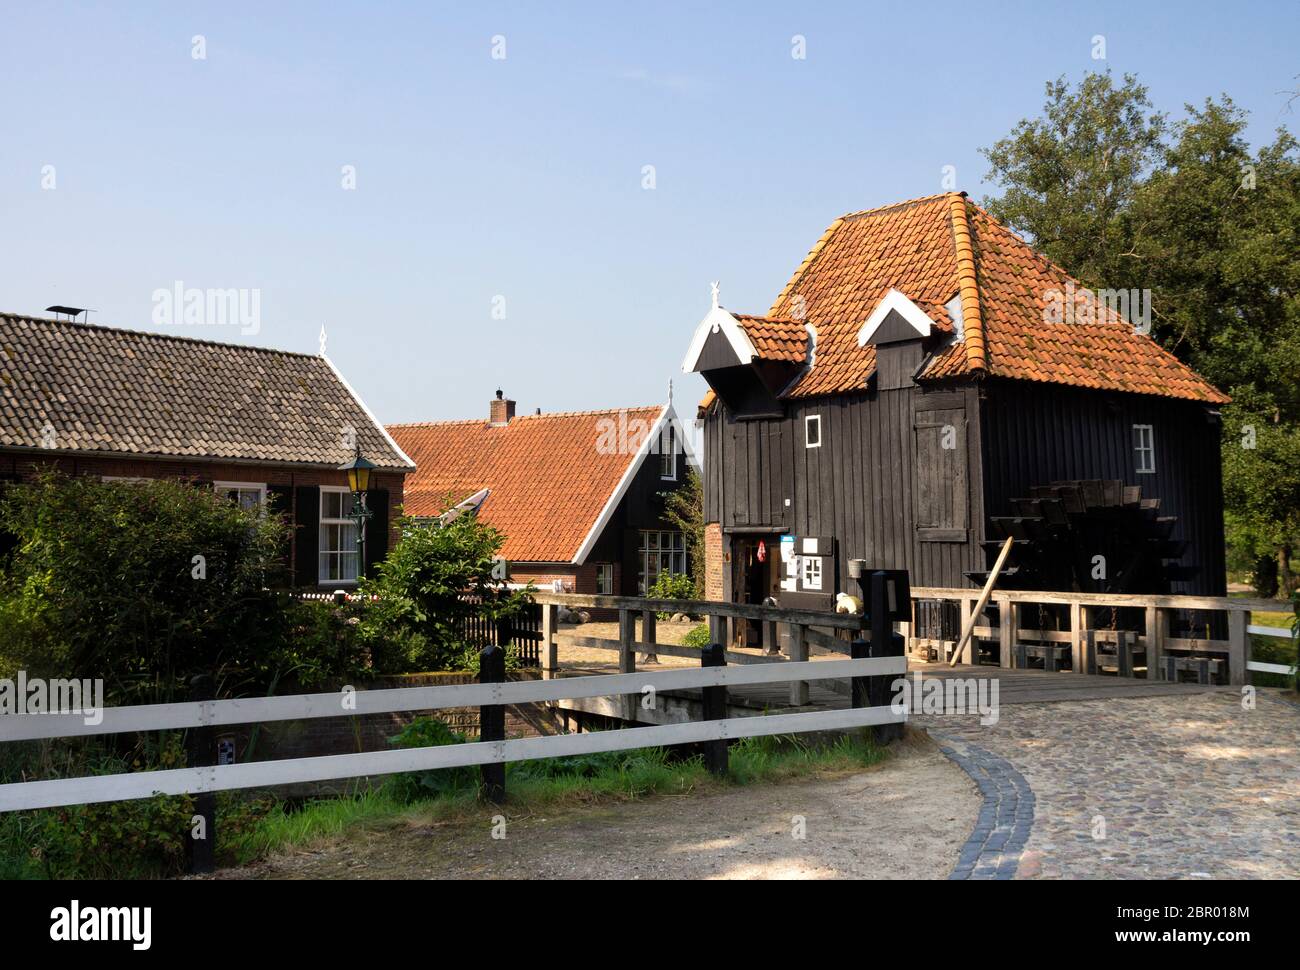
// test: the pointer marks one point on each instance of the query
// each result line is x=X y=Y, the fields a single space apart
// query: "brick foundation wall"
x=713 y=564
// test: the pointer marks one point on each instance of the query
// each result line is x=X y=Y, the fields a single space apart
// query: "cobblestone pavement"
x=1149 y=787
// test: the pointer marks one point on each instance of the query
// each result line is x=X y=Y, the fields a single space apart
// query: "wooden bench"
x=1206 y=669
x=1053 y=655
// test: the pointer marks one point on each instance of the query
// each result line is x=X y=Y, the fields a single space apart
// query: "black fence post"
x=860 y=688
x=884 y=643
x=492 y=723
x=714 y=702
x=201 y=752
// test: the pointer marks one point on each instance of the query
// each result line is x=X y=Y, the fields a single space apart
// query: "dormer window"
x=812 y=431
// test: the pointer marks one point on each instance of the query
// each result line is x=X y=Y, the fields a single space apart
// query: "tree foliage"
x=684 y=510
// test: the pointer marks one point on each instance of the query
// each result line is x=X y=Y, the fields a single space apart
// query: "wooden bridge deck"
x=1014 y=687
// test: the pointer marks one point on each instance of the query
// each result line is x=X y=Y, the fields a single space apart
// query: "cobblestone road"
x=1152 y=787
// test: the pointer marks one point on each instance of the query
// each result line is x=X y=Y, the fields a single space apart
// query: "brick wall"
x=23 y=467
x=713 y=564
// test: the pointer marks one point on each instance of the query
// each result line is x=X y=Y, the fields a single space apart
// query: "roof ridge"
x=967 y=283
x=521 y=417
x=895 y=205
x=102 y=327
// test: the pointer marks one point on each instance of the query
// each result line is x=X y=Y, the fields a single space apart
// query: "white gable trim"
x=894 y=300
x=718 y=319
x=629 y=473
x=370 y=414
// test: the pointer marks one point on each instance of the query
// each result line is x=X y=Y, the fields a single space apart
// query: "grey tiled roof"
x=120 y=391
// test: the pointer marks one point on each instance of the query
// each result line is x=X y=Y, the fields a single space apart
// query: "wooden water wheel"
x=1061 y=529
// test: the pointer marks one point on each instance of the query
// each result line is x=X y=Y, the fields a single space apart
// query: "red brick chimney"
x=501 y=410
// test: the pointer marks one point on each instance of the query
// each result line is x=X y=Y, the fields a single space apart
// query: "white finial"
x=670 y=390
x=715 y=286
x=323 y=338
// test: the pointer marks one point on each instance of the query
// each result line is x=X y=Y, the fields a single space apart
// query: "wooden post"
x=972 y=655
x=1154 y=633
x=201 y=752
x=626 y=642
x=798 y=652
x=714 y=702
x=771 y=642
x=549 y=655
x=648 y=634
x=1076 y=639
x=1006 y=631
x=1238 y=646
x=884 y=643
x=492 y=724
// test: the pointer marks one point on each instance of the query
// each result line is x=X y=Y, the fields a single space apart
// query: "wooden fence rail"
x=1151 y=637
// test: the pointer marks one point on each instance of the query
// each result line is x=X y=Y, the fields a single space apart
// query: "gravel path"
x=907 y=818
x=1154 y=787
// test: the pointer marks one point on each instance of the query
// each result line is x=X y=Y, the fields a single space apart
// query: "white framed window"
x=659 y=552
x=812 y=572
x=247 y=495
x=668 y=454
x=604 y=579
x=339 y=555
x=1144 y=448
x=812 y=431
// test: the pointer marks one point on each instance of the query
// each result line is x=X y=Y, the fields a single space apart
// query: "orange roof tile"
x=549 y=477
x=775 y=339
x=944 y=246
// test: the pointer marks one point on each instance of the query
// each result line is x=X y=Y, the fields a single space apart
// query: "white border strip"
x=251 y=710
x=181 y=781
x=370 y=414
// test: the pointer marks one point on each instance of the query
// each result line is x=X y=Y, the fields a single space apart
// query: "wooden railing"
x=805 y=629
x=1150 y=636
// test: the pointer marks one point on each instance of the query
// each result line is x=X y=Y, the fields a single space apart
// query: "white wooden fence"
x=207 y=714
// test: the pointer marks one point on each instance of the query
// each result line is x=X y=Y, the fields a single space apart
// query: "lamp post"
x=358 y=470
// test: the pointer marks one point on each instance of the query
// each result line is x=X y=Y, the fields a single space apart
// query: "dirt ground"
x=905 y=818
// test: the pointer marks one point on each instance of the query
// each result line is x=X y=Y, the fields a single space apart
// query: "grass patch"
x=550 y=783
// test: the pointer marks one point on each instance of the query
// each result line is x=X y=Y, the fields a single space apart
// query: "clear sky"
x=521 y=178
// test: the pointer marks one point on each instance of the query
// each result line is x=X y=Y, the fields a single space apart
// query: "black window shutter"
x=376 y=527
x=279 y=501
x=306 y=517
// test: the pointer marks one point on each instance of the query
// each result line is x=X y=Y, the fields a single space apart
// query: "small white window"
x=338 y=536
x=812 y=431
x=605 y=579
x=247 y=495
x=1144 y=448
x=668 y=454
x=812 y=572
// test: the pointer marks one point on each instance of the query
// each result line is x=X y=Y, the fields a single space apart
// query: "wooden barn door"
x=942 y=492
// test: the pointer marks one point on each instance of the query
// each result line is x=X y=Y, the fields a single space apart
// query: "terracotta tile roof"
x=549 y=480
x=120 y=391
x=943 y=247
x=776 y=339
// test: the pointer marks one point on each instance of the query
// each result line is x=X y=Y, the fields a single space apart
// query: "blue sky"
x=521 y=177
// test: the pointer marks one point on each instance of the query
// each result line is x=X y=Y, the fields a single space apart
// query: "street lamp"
x=358 y=470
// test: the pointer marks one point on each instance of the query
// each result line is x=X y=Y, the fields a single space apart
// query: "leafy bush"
x=422 y=587
x=672 y=586
x=697 y=637
x=143 y=584
x=412 y=786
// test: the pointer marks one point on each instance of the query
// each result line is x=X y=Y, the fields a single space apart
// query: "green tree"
x=684 y=510
x=1069 y=177
x=142 y=584
x=429 y=583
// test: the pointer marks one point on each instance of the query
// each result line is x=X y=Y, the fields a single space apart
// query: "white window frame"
x=812 y=572
x=322 y=521
x=604 y=579
x=812 y=421
x=668 y=457
x=1144 y=449
x=259 y=487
